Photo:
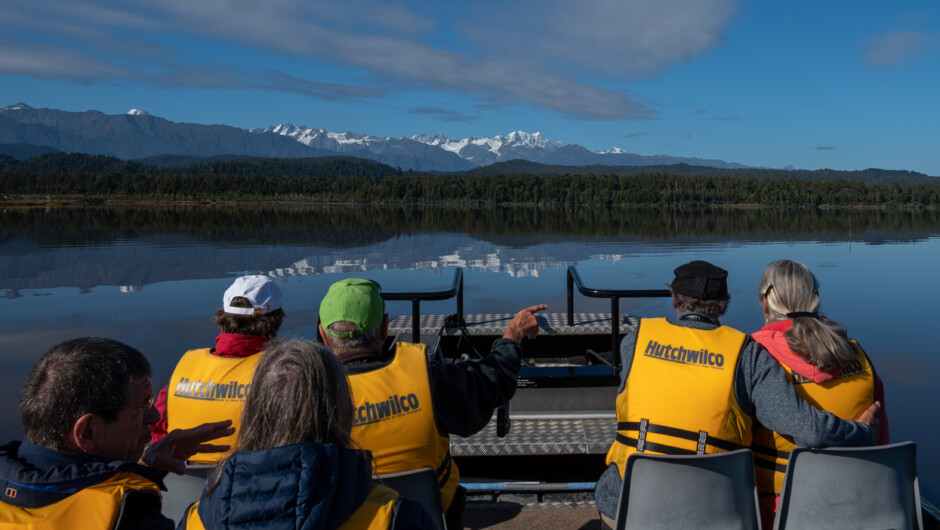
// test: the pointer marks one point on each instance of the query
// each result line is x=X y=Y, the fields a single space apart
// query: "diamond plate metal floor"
x=495 y=324
x=532 y=436
x=540 y=437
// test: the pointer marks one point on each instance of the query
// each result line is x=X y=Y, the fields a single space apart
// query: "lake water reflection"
x=153 y=277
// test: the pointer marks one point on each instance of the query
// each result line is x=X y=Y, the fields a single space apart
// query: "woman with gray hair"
x=827 y=369
x=294 y=465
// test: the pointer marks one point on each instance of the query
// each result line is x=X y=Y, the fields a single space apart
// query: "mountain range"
x=26 y=131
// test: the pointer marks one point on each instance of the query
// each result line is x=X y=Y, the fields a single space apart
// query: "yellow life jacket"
x=846 y=395
x=377 y=512
x=96 y=507
x=206 y=387
x=678 y=398
x=394 y=418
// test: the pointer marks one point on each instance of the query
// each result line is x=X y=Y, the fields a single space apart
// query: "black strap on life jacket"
x=701 y=438
x=443 y=470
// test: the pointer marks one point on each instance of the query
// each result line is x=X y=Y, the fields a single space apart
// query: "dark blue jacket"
x=303 y=486
x=32 y=477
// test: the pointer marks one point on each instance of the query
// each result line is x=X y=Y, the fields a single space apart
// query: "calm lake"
x=153 y=276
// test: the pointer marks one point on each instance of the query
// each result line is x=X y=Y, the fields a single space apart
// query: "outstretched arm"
x=171 y=452
x=467 y=393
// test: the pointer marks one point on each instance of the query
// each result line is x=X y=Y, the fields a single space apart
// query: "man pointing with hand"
x=407 y=406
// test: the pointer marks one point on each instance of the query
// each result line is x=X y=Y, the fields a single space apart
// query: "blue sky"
x=825 y=84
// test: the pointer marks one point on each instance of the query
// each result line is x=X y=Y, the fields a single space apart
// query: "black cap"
x=701 y=280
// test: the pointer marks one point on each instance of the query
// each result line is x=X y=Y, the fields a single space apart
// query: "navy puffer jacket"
x=302 y=486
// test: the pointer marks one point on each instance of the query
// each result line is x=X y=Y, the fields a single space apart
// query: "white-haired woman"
x=827 y=369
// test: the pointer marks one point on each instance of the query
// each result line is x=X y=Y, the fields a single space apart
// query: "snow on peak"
x=309 y=135
x=18 y=106
x=443 y=141
x=287 y=129
x=138 y=112
x=439 y=139
x=522 y=138
x=493 y=145
x=613 y=151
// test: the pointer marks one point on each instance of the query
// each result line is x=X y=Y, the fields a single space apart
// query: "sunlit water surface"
x=157 y=289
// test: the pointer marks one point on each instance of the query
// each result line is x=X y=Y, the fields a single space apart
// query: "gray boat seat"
x=419 y=485
x=697 y=491
x=851 y=487
x=183 y=490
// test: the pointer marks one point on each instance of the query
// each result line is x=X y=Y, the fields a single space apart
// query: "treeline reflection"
x=351 y=226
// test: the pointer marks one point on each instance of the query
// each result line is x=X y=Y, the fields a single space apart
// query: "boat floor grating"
x=495 y=324
x=540 y=437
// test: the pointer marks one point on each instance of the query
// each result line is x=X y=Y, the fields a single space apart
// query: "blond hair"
x=791 y=291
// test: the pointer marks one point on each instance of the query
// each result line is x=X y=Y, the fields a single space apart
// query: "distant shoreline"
x=87 y=202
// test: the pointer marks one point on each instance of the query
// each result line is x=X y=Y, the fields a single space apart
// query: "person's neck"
x=359 y=354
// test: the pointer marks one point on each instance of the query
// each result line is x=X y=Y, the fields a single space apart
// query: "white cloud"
x=606 y=37
x=897 y=49
x=553 y=54
x=55 y=63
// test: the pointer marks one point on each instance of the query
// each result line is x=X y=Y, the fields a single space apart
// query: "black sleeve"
x=411 y=516
x=140 y=510
x=467 y=393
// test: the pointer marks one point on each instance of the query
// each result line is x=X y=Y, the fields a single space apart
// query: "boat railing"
x=416 y=298
x=574 y=279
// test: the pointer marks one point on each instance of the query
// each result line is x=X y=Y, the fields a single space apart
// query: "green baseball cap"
x=352 y=300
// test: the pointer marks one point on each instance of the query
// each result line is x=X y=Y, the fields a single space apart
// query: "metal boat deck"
x=552 y=413
x=491 y=324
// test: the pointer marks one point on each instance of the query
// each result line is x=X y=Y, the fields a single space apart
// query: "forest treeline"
x=89 y=177
x=867 y=176
x=343 y=226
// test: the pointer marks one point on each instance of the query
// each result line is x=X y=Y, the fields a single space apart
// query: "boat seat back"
x=183 y=490
x=421 y=486
x=698 y=491
x=851 y=487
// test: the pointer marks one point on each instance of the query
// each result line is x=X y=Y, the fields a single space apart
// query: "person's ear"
x=82 y=436
x=383 y=333
x=323 y=335
x=763 y=305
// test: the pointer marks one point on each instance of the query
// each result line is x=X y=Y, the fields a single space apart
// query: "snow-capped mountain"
x=536 y=148
x=137 y=134
x=396 y=152
x=485 y=151
x=431 y=150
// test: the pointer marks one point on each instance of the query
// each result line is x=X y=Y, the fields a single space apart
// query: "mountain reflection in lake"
x=153 y=276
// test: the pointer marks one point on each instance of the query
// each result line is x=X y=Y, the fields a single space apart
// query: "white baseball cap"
x=261 y=291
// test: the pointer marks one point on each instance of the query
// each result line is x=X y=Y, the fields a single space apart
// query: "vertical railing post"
x=460 y=297
x=416 y=320
x=570 y=298
x=614 y=324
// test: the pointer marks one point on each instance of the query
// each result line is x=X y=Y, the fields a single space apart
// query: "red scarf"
x=771 y=337
x=232 y=345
